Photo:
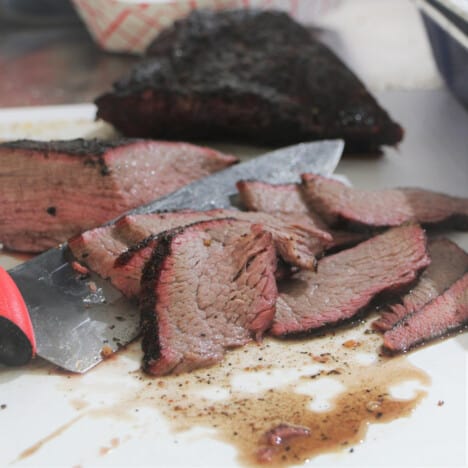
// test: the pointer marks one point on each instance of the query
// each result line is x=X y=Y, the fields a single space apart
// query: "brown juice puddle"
x=242 y=418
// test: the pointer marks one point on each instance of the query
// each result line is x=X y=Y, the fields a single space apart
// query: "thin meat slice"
x=272 y=198
x=100 y=248
x=296 y=239
x=279 y=199
x=128 y=267
x=339 y=204
x=448 y=263
x=346 y=282
x=135 y=228
x=119 y=252
x=208 y=287
x=445 y=314
x=51 y=191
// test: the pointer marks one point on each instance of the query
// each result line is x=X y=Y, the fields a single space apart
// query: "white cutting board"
x=114 y=415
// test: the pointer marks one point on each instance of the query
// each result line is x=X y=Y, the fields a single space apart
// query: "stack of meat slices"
x=303 y=257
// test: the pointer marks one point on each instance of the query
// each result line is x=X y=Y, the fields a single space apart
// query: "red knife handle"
x=17 y=340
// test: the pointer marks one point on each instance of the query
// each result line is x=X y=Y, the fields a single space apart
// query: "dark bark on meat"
x=209 y=287
x=120 y=251
x=250 y=75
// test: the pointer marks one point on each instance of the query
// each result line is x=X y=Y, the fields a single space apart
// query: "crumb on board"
x=92 y=286
x=351 y=344
x=440 y=403
x=322 y=358
x=106 y=351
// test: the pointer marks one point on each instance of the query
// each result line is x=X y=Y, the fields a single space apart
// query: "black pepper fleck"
x=52 y=210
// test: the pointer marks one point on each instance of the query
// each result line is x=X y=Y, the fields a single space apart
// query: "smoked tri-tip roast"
x=211 y=280
x=53 y=190
x=248 y=75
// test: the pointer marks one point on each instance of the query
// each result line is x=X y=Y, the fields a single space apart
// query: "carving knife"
x=48 y=309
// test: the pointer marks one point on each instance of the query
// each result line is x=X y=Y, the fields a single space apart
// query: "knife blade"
x=74 y=323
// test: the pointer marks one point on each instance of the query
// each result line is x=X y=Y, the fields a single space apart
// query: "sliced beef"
x=346 y=282
x=136 y=227
x=445 y=314
x=250 y=75
x=127 y=245
x=339 y=204
x=272 y=198
x=143 y=233
x=51 y=191
x=284 y=199
x=296 y=237
x=208 y=287
x=100 y=248
x=448 y=263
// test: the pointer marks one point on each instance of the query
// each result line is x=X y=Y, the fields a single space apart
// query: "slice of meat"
x=249 y=75
x=287 y=198
x=346 y=282
x=207 y=288
x=448 y=263
x=119 y=252
x=51 y=191
x=445 y=314
x=100 y=248
x=339 y=204
x=272 y=198
x=297 y=238
x=135 y=228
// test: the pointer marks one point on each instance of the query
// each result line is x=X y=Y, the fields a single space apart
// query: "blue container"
x=446 y=23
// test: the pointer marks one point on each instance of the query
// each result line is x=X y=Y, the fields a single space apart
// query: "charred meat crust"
x=223 y=301
x=92 y=150
x=228 y=74
x=125 y=257
x=76 y=147
x=148 y=296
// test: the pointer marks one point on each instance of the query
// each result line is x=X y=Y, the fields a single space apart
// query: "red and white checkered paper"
x=129 y=26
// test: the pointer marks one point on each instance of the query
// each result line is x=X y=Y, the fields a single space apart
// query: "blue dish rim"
x=457 y=20
x=447 y=19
